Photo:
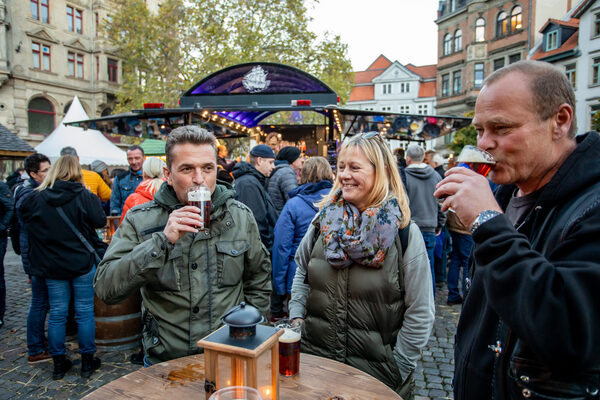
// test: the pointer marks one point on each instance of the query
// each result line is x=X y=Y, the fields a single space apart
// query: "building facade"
x=392 y=87
x=51 y=51
x=477 y=37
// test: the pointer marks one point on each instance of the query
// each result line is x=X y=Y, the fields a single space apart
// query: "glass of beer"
x=475 y=159
x=199 y=196
x=289 y=350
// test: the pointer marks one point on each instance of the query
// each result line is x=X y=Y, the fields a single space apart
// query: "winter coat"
x=290 y=229
x=55 y=252
x=282 y=181
x=142 y=195
x=6 y=209
x=95 y=184
x=21 y=191
x=224 y=169
x=541 y=279
x=186 y=287
x=425 y=209
x=250 y=188
x=374 y=319
x=123 y=186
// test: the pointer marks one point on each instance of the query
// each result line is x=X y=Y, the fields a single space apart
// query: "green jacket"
x=187 y=287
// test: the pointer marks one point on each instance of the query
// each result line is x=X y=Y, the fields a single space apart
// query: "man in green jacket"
x=188 y=277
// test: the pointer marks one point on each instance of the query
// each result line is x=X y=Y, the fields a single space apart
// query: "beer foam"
x=473 y=155
x=289 y=336
x=199 y=195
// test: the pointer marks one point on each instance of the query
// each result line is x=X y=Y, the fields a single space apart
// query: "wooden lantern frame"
x=240 y=357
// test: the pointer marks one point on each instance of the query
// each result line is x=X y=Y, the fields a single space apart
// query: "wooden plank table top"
x=183 y=378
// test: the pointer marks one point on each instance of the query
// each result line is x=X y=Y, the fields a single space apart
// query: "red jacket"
x=141 y=195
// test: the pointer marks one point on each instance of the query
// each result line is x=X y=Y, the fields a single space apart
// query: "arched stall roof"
x=258 y=85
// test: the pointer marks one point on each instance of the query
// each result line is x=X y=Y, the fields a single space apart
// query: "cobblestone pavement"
x=19 y=380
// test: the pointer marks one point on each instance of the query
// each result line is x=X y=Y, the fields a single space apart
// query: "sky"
x=402 y=30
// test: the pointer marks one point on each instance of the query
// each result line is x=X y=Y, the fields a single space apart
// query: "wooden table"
x=183 y=378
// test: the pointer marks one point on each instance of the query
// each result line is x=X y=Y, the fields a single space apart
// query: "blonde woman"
x=360 y=297
x=59 y=256
x=152 y=172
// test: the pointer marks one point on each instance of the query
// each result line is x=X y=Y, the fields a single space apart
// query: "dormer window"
x=552 y=40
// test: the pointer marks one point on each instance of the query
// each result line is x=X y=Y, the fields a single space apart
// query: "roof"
x=427 y=89
x=153 y=147
x=424 y=71
x=362 y=93
x=366 y=76
x=381 y=62
x=572 y=23
x=568 y=45
x=11 y=142
x=582 y=8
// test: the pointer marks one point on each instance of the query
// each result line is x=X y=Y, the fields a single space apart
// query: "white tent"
x=90 y=144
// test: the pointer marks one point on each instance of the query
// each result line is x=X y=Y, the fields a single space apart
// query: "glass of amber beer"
x=475 y=159
x=199 y=196
x=289 y=350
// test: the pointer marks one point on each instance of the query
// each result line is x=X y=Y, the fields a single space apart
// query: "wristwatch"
x=483 y=217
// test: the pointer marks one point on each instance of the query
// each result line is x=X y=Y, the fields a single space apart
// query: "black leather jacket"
x=530 y=325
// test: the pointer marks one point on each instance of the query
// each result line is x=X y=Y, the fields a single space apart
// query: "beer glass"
x=289 y=350
x=236 y=393
x=199 y=196
x=475 y=159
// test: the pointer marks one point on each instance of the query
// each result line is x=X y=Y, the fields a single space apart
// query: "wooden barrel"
x=118 y=327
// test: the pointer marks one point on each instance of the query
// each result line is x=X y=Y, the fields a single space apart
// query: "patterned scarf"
x=351 y=237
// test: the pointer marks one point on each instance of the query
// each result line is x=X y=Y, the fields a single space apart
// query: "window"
x=458 y=40
x=452 y=5
x=502 y=24
x=422 y=109
x=571 y=72
x=74 y=19
x=445 y=85
x=40 y=116
x=479 y=75
x=516 y=19
x=404 y=109
x=97 y=68
x=387 y=88
x=447 y=44
x=97 y=23
x=513 y=58
x=498 y=63
x=597 y=25
x=386 y=108
x=75 y=64
x=480 y=30
x=112 y=69
x=596 y=71
x=456 y=82
x=552 y=40
x=405 y=87
x=40 y=10
x=41 y=56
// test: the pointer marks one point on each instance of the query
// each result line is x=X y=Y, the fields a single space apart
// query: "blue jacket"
x=291 y=226
x=21 y=192
x=123 y=186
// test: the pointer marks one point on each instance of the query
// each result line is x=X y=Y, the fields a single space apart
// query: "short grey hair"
x=415 y=152
x=188 y=134
x=68 y=151
x=549 y=87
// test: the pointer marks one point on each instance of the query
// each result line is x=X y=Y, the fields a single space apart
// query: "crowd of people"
x=353 y=258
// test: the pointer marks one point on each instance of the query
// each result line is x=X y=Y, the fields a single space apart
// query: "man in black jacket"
x=251 y=189
x=530 y=325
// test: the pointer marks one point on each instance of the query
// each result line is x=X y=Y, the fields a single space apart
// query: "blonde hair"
x=316 y=169
x=388 y=183
x=153 y=169
x=66 y=168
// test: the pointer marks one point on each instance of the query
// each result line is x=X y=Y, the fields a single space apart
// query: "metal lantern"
x=245 y=343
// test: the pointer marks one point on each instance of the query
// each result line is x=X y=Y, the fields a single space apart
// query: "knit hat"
x=262 y=150
x=98 y=166
x=289 y=154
